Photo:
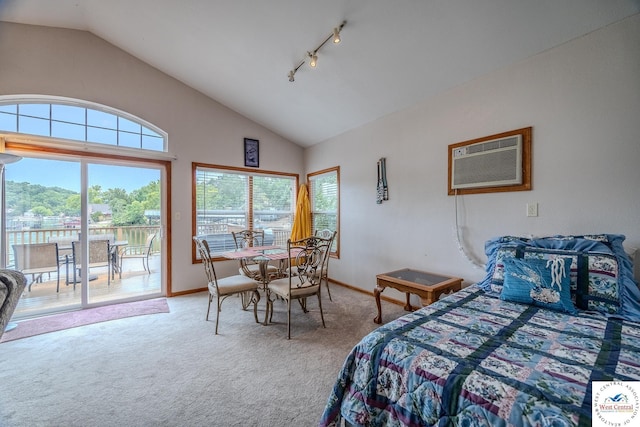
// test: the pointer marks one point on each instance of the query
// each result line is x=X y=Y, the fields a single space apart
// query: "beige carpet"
x=169 y=369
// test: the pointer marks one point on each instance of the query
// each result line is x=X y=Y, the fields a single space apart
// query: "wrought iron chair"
x=307 y=258
x=99 y=256
x=240 y=284
x=142 y=252
x=250 y=267
x=327 y=234
x=37 y=259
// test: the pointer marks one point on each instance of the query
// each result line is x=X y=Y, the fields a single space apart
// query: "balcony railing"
x=134 y=235
x=280 y=234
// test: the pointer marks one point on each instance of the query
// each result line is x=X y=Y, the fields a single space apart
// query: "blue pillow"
x=540 y=282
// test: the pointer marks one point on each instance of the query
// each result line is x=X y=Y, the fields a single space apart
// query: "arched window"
x=86 y=169
x=79 y=121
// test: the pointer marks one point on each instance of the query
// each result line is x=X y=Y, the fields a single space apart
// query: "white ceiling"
x=394 y=53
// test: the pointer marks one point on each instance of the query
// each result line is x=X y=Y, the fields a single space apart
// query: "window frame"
x=195 y=259
x=44 y=147
x=90 y=107
x=336 y=169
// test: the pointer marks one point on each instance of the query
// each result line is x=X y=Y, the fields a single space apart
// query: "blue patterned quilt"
x=472 y=359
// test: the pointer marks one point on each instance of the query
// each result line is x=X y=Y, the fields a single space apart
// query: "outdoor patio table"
x=115 y=251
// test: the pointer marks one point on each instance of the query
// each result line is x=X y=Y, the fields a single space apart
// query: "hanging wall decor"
x=385 y=187
x=382 y=186
x=251 y=153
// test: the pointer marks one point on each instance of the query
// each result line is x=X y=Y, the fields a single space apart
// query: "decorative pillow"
x=507 y=251
x=611 y=291
x=600 y=291
x=544 y=283
x=497 y=278
x=546 y=254
x=593 y=277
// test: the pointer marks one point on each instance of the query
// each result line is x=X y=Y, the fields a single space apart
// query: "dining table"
x=262 y=255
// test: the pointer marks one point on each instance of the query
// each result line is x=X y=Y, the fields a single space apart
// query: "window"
x=232 y=199
x=324 y=192
x=76 y=179
x=79 y=121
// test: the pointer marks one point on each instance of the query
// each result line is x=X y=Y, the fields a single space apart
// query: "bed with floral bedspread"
x=520 y=348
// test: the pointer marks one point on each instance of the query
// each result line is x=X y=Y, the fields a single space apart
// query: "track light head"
x=336 y=35
x=314 y=59
x=291 y=76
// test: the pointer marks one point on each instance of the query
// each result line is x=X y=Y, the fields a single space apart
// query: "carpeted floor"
x=73 y=319
x=169 y=369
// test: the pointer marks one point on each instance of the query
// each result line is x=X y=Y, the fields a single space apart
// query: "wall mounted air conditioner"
x=499 y=162
x=488 y=164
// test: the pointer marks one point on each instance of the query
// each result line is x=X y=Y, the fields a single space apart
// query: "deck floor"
x=135 y=283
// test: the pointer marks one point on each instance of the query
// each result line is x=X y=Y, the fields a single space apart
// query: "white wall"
x=582 y=100
x=76 y=64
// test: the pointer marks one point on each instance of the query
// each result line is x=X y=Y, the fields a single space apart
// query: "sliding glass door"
x=42 y=215
x=85 y=231
x=125 y=210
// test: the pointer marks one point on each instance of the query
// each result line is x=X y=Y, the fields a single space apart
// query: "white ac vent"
x=487 y=164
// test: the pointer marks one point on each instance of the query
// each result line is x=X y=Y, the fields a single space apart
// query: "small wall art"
x=251 y=152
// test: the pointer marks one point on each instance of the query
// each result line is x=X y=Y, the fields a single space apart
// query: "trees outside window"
x=232 y=199
x=324 y=192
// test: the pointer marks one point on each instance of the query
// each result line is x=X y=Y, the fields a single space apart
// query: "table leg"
x=428 y=299
x=115 y=268
x=408 y=306
x=66 y=263
x=265 y=284
x=376 y=293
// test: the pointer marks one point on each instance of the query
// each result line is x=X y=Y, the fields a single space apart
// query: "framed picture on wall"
x=251 y=153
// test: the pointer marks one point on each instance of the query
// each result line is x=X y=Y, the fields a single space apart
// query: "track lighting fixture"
x=313 y=55
x=314 y=59
x=336 y=35
x=293 y=72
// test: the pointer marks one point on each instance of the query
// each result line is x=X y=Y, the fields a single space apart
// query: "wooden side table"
x=427 y=286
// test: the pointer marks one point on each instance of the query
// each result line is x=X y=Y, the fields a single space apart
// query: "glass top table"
x=428 y=286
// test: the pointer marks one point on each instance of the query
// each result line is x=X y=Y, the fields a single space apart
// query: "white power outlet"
x=532 y=209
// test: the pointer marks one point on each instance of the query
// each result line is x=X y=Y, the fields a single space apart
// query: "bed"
x=520 y=348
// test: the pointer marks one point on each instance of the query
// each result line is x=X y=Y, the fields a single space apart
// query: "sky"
x=66 y=174
x=78 y=123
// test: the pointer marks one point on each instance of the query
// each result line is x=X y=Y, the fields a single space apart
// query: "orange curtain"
x=302 y=220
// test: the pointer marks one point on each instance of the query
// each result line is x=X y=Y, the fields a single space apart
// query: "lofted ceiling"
x=393 y=54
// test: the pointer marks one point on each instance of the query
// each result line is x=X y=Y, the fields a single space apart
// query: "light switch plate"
x=532 y=209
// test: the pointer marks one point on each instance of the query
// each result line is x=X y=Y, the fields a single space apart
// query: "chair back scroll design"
x=249 y=267
x=220 y=289
x=205 y=255
x=308 y=263
x=308 y=257
x=248 y=238
x=327 y=234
